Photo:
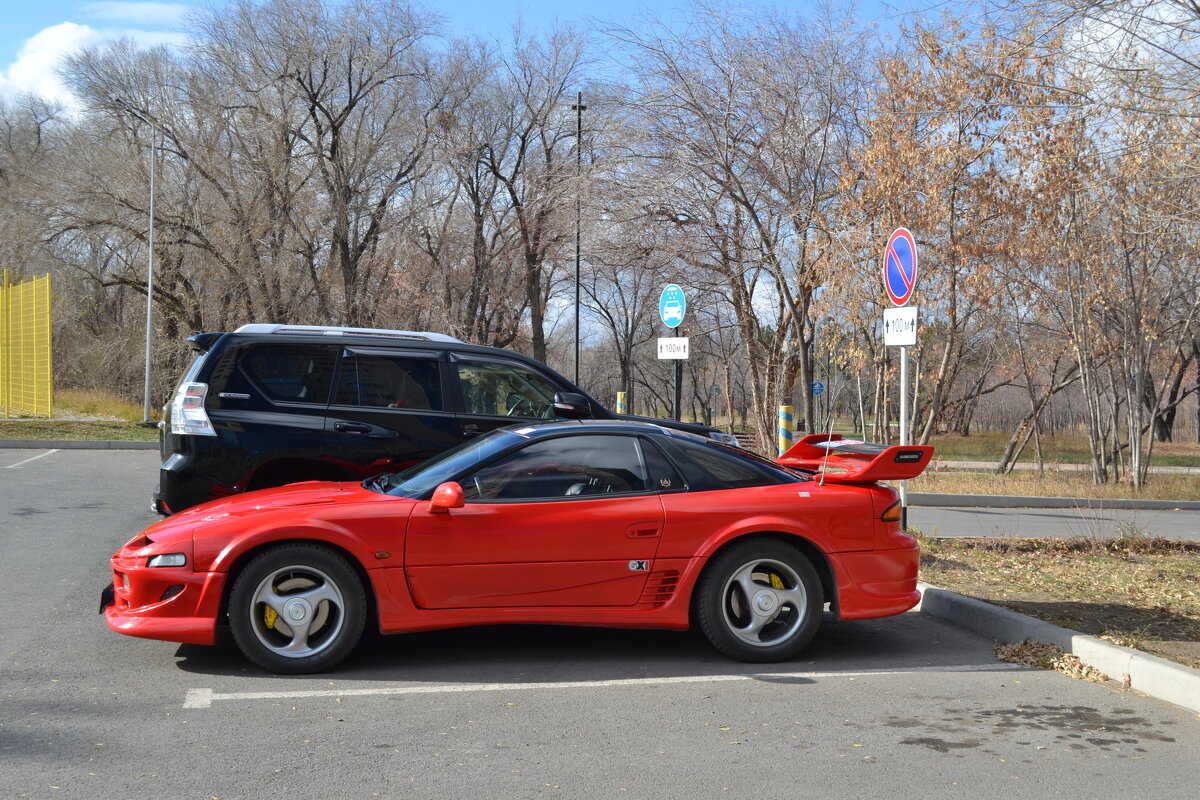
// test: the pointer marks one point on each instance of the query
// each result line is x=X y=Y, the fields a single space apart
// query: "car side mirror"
x=571 y=405
x=445 y=497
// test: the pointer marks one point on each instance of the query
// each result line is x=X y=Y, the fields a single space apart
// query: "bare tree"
x=755 y=119
x=528 y=151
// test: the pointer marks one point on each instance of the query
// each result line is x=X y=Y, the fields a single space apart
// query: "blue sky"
x=36 y=34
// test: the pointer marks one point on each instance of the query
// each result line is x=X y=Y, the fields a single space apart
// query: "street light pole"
x=578 y=108
x=149 y=283
x=117 y=101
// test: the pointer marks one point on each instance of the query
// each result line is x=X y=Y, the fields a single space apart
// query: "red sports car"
x=606 y=523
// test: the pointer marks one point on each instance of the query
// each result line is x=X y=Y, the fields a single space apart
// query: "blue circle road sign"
x=672 y=305
x=818 y=388
x=900 y=266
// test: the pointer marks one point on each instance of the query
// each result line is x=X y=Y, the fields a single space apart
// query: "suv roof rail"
x=327 y=330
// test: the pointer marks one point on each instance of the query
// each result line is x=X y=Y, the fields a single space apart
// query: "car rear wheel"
x=297 y=608
x=759 y=601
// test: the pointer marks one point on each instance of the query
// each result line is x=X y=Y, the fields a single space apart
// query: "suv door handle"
x=351 y=427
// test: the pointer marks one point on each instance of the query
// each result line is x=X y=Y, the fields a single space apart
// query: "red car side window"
x=562 y=468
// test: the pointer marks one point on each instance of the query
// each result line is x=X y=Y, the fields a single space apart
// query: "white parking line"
x=32 y=458
x=204 y=698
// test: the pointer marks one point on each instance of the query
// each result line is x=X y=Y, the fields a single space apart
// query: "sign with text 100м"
x=900 y=280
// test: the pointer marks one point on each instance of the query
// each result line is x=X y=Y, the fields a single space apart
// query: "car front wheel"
x=297 y=608
x=759 y=601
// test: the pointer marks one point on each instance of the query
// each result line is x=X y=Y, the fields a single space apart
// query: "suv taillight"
x=187 y=411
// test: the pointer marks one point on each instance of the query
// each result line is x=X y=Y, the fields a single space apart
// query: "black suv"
x=267 y=405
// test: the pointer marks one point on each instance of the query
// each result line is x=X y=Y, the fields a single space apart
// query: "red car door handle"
x=643 y=530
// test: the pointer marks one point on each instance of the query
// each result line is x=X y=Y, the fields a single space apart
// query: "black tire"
x=759 y=601
x=297 y=608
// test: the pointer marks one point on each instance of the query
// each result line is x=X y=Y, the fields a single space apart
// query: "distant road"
x=1043 y=523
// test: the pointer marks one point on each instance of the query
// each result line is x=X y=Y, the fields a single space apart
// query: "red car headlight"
x=167 y=560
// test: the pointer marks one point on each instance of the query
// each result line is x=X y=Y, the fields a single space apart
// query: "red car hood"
x=295 y=495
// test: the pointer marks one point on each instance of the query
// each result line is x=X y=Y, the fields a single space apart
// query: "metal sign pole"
x=672 y=305
x=679 y=386
x=678 y=389
x=900 y=324
x=903 y=431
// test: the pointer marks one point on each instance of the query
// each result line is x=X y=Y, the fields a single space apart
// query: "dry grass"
x=1061 y=449
x=1134 y=590
x=82 y=416
x=79 y=403
x=77 y=430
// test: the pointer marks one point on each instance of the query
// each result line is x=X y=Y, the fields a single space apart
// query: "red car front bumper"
x=174 y=605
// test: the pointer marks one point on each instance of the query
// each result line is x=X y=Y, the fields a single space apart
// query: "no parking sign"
x=900 y=266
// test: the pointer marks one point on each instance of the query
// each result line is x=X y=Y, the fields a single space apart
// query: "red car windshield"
x=419 y=481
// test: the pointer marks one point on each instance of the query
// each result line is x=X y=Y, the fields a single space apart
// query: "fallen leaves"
x=1047 y=656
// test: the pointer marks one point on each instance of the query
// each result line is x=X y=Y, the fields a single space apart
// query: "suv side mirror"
x=445 y=497
x=571 y=405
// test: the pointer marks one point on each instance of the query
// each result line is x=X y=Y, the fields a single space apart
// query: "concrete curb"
x=1148 y=674
x=56 y=444
x=1012 y=501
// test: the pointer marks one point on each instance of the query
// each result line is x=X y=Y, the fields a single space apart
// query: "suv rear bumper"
x=179 y=485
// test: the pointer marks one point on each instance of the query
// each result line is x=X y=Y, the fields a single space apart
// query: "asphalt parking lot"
x=902 y=707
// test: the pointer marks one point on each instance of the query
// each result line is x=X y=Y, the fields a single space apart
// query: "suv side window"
x=387 y=381
x=502 y=389
x=293 y=373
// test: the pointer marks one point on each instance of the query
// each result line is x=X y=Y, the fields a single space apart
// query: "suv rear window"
x=387 y=381
x=293 y=373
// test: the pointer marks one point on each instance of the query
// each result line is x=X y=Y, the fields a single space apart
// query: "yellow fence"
x=25 y=367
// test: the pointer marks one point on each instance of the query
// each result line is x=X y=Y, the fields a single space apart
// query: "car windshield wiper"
x=378 y=483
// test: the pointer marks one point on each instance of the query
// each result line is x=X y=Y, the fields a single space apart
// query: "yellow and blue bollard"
x=621 y=407
x=786 y=428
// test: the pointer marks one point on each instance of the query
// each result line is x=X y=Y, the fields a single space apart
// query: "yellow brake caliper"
x=776 y=581
x=269 y=614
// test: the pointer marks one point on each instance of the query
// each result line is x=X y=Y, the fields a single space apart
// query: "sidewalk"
x=65 y=444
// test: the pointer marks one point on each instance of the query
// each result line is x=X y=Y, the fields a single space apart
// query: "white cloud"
x=35 y=70
x=169 y=15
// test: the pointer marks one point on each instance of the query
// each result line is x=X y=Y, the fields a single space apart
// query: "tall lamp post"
x=149 y=284
x=578 y=108
x=150 y=262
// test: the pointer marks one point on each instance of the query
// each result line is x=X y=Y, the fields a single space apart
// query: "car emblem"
x=639 y=566
x=664 y=482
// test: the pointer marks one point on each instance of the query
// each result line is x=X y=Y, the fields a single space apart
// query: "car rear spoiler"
x=855 y=461
x=202 y=341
